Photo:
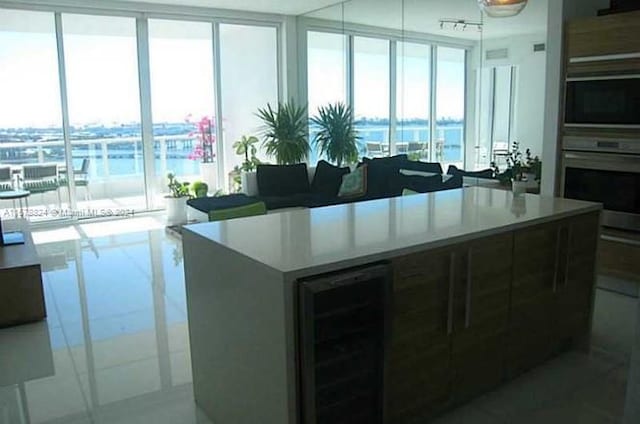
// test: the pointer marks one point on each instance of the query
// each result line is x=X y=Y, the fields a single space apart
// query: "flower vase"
x=209 y=175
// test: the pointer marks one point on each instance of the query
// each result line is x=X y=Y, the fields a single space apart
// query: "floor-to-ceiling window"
x=327 y=75
x=371 y=94
x=182 y=97
x=101 y=62
x=413 y=103
x=134 y=91
x=408 y=96
x=30 y=113
x=448 y=146
x=249 y=80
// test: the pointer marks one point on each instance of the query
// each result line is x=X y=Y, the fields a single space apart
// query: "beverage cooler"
x=343 y=330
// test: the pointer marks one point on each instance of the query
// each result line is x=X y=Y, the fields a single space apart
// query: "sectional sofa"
x=289 y=186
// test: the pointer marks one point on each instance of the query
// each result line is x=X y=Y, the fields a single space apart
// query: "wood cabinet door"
x=534 y=283
x=481 y=315
x=419 y=368
x=576 y=281
x=604 y=35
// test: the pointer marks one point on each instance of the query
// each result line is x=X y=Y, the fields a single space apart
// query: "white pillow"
x=409 y=172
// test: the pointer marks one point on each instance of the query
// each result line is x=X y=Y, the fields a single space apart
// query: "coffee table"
x=16 y=195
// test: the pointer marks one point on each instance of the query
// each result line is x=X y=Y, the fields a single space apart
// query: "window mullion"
x=64 y=106
x=217 y=96
x=144 y=82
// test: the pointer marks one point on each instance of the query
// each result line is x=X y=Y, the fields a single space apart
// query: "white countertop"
x=310 y=241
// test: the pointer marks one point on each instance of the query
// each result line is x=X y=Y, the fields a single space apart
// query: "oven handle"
x=605 y=57
x=602 y=157
x=604 y=78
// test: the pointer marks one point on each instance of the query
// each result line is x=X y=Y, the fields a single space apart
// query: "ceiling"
x=419 y=15
x=285 y=7
x=425 y=15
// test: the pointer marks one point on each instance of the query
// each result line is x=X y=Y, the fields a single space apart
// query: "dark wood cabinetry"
x=481 y=316
x=450 y=315
x=419 y=362
x=469 y=316
x=604 y=35
x=552 y=292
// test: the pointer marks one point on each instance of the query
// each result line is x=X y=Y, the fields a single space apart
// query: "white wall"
x=529 y=96
x=528 y=113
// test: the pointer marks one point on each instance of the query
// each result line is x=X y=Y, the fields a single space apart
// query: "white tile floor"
x=115 y=346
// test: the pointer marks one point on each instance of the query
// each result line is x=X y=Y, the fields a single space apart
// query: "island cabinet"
x=450 y=315
x=471 y=315
x=552 y=290
x=468 y=288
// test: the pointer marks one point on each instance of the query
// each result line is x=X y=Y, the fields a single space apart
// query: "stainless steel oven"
x=605 y=171
x=604 y=101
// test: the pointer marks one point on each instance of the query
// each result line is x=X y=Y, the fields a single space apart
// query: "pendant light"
x=502 y=8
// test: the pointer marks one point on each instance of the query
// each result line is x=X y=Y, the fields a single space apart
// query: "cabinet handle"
x=566 y=259
x=467 y=317
x=452 y=269
x=557 y=261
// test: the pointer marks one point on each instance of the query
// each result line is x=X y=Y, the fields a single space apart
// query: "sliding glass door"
x=413 y=105
x=371 y=94
x=101 y=62
x=448 y=145
x=32 y=154
x=182 y=98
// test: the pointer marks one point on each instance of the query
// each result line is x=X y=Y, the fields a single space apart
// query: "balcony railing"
x=109 y=157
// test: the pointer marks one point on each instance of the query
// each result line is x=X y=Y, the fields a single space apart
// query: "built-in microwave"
x=605 y=101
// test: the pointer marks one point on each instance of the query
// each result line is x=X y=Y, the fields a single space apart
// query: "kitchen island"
x=481 y=286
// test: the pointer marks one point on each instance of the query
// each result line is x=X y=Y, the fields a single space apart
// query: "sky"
x=102 y=79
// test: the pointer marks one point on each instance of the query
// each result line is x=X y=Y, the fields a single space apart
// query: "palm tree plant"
x=337 y=137
x=284 y=132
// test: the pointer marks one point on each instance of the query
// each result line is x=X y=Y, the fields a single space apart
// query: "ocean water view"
x=117 y=151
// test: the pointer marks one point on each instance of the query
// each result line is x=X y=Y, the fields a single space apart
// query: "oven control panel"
x=595 y=144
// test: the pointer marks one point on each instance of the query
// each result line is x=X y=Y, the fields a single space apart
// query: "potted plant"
x=337 y=137
x=516 y=165
x=285 y=132
x=533 y=167
x=199 y=189
x=514 y=174
x=204 y=152
x=176 y=200
x=245 y=147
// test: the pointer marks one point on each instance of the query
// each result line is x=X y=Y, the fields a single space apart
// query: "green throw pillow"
x=354 y=184
x=407 y=192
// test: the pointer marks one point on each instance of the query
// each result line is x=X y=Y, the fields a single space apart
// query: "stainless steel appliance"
x=606 y=171
x=603 y=101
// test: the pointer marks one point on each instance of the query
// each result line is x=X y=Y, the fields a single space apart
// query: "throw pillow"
x=485 y=173
x=407 y=192
x=328 y=179
x=419 y=173
x=354 y=184
x=382 y=180
x=415 y=165
x=397 y=160
x=282 y=180
x=422 y=184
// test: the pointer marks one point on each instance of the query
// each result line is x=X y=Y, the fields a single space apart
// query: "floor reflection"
x=115 y=345
x=116 y=333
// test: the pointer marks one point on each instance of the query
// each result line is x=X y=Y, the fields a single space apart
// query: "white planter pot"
x=176 y=210
x=209 y=175
x=519 y=187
